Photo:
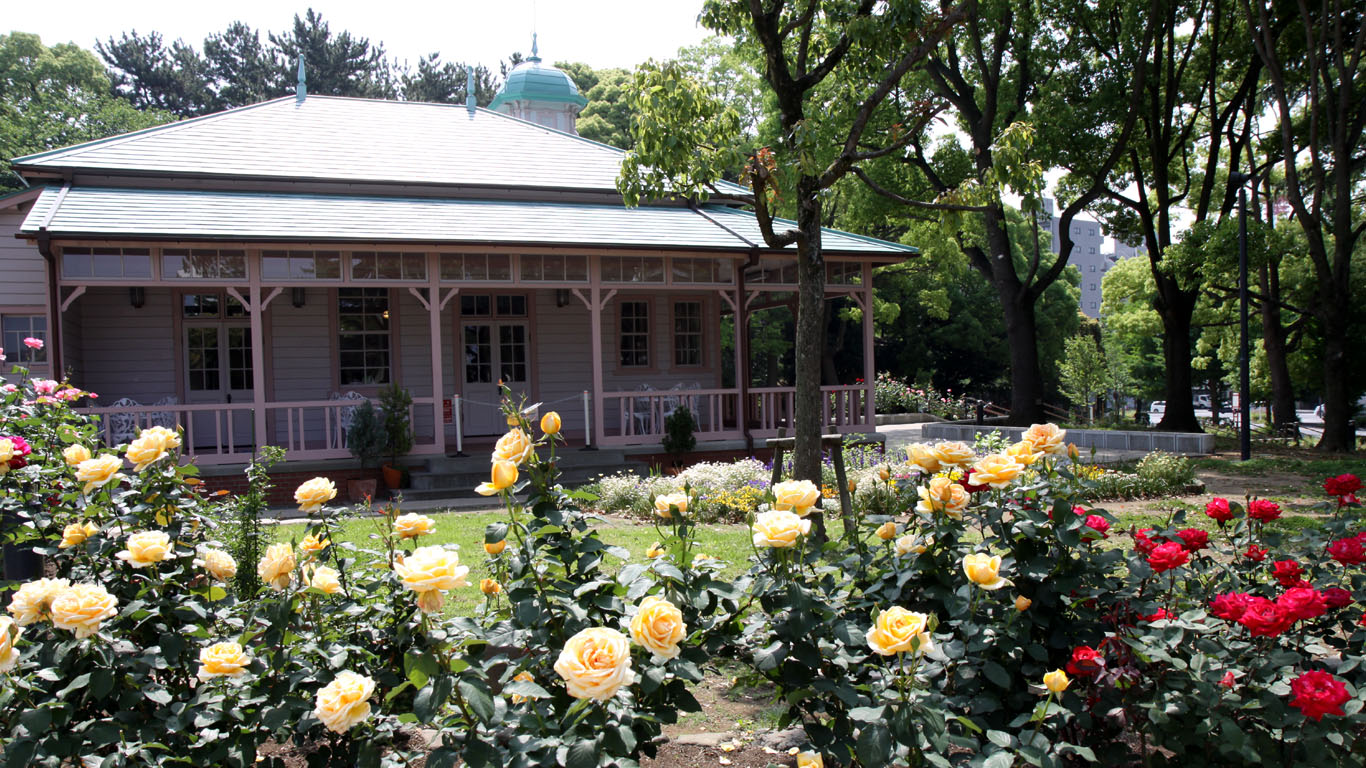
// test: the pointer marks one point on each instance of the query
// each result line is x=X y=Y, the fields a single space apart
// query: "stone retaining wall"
x=1186 y=443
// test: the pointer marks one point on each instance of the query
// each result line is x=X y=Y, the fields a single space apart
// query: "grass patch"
x=1313 y=467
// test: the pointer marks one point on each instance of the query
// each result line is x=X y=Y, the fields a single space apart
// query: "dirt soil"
x=1284 y=487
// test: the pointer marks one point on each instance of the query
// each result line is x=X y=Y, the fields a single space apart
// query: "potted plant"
x=395 y=403
x=367 y=440
x=678 y=435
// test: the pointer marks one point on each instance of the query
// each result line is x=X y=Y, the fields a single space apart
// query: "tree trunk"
x=1275 y=346
x=810 y=336
x=1338 y=434
x=1026 y=384
x=1176 y=308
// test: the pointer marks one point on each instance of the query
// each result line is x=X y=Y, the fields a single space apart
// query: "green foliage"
x=395 y=404
x=243 y=536
x=367 y=438
x=895 y=395
x=678 y=432
x=1082 y=372
x=607 y=117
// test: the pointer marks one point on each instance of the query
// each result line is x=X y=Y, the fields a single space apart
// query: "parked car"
x=1158 y=408
x=1201 y=401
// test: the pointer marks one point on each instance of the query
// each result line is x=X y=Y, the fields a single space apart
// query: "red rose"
x=971 y=486
x=1168 y=556
x=1342 y=485
x=1194 y=539
x=1228 y=680
x=1337 y=597
x=1230 y=605
x=1219 y=510
x=1287 y=572
x=1303 y=603
x=1144 y=543
x=1159 y=615
x=1078 y=509
x=1362 y=620
x=1263 y=510
x=1256 y=553
x=1317 y=693
x=20 y=450
x=1100 y=525
x=1086 y=661
x=1348 y=551
x=1264 y=618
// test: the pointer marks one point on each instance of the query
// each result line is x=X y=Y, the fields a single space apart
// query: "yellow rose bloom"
x=146 y=451
x=218 y=563
x=324 y=579
x=984 y=570
x=344 y=702
x=495 y=548
x=595 y=664
x=6 y=453
x=798 y=496
x=504 y=476
x=658 y=627
x=222 y=660
x=313 y=544
x=412 y=525
x=923 y=457
x=1023 y=452
x=666 y=503
x=146 y=548
x=490 y=587
x=996 y=470
x=98 y=472
x=75 y=454
x=277 y=566
x=810 y=760
x=550 y=423
x=887 y=531
x=82 y=608
x=521 y=677
x=32 y=602
x=515 y=446
x=76 y=534
x=1056 y=681
x=1022 y=603
x=898 y=630
x=9 y=632
x=429 y=571
x=1046 y=438
x=943 y=495
x=909 y=544
x=169 y=437
x=656 y=549
x=313 y=494
x=779 y=528
x=953 y=454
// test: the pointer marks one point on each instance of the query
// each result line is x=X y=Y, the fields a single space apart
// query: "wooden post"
x=258 y=361
x=595 y=324
x=869 y=370
x=438 y=364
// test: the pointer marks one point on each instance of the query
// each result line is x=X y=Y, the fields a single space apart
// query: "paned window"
x=388 y=265
x=632 y=269
x=552 y=268
x=300 y=265
x=363 y=335
x=14 y=329
x=106 y=263
x=476 y=267
x=635 y=334
x=687 y=333
x=203 y=264
x=711 y=271
x=210 y=306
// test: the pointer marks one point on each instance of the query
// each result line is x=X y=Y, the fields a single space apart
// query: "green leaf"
x=526 y=688
x=444 y=757
x=35 y=721
x=582 y=754
x=996 y=674
x=1000 y=738
x=478 y=698
x=874 y=748
x=101 y=683
x=999 y=760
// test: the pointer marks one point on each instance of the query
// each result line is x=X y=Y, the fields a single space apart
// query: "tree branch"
x=881 y=190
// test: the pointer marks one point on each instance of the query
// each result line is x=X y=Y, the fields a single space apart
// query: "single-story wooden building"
x=250 y=274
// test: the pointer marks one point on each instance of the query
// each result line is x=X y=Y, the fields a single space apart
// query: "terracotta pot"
x=393 y=476
x=361 y=491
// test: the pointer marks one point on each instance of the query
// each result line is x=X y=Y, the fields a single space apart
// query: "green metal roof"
x=533 y=81
x=122 y=212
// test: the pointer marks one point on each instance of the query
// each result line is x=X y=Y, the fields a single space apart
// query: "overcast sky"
x=602 y=33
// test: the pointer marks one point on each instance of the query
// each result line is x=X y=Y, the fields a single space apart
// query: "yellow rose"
x=852 y=486
x=984 y=570
x=595 y=664
x=779 y=529
x=1023 y=452
x=490 y=587
x=1056 y=681
x=1073 y=453
x=146 y=451
x=666 y=503
x=33 y=601
x=953 y=454
x=887 y=531
x=146 y=548
x=909 y=544
x=324 y=579
x=344 y=702
x=943 y=495
x=98 y=472
x=169 y=437
x=658 y=627
x=515 y=446
x=82 y=608
x=1046 y=438
x=656 y=549
x=810 y=760
x=550 y=423
x=312 y=544
x=277 y=566
x=411 y=525
x=218 y=563
x=996 y=470
x=313 y=494
x=77 y=533
x=429 y=571
x=75 y=454
x=504 y=476
x=898 y=630
x=922 y=457
x=6 y=453
x=495 y=548
x=799 y=496
x=1022 y=603
x=222 y=660
x=9 y=632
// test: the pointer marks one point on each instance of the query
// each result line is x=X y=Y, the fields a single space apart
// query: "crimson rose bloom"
x=1159 y=615
x=1230 y=605
x=1337 y=597
x=1342 y=485
x=971 y=486
x=1348 y=551
x=1194 y=539
x=1099 y=525
x=1228 y=680
x=1086 y=661
x=1144 y=543
x=1303 y=603
x=1317 y=693
x=1263 y=510
x=1362 y=620
x=1264 y=618
x=1256 y=553
x=1287 y=572
x=21 y=449
x=1219 y=510
x=1168 y=556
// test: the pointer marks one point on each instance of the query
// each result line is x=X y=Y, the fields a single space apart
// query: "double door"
x=493 y=351
x=218 y=370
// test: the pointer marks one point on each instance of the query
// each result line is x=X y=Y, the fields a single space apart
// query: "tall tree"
x=806 y=47
x=338 y=64
x=153 y=75
x=242 y=68
x=1315 y=58
x=607 y=116
x=445 y=82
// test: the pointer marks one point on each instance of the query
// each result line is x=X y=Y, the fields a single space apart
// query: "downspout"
x=54 y=336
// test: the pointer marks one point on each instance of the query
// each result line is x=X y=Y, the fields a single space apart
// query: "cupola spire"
x=301 y=90
x=470 y=102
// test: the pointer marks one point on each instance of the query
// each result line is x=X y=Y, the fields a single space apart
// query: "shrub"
x=395 y=404
x=366 y=438
x=678 y=432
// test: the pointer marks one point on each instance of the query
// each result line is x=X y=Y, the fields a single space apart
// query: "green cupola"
x=541 y=94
